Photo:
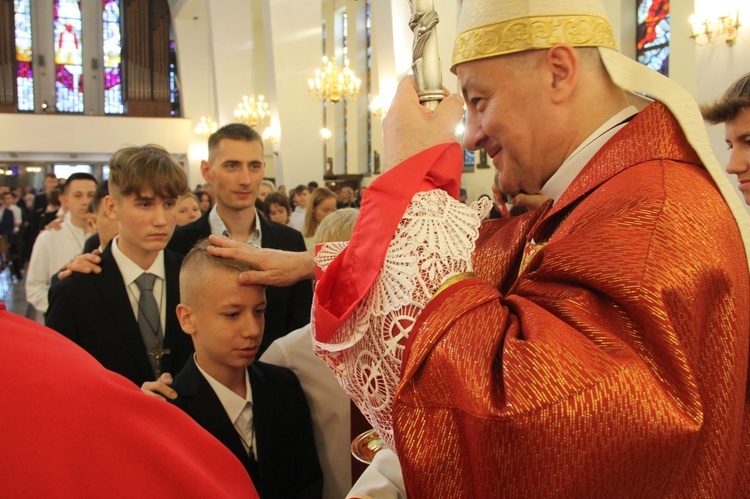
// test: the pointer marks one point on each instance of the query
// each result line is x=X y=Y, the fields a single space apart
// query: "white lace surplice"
x=433 y=242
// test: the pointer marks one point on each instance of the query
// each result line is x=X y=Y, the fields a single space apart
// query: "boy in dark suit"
x=124 y=316
x=257 y=410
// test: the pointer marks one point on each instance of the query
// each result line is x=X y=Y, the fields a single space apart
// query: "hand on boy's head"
x=84 y=264
x=276 y=267
x=160 y=388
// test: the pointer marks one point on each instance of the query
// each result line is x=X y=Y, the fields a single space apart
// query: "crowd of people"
x=583 y=333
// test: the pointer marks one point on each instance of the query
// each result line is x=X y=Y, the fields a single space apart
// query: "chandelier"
x=331 y=83
x=205 y=127
x=252 y=111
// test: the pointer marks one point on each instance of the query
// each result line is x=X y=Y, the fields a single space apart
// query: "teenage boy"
x=105 y=229
x=733 y=109
x=257 y=410
x=124 y=315
x=54 y=248
x=235 y=169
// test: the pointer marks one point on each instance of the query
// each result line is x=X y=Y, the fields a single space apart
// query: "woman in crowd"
x=322 y=203
x=276 y=207
x=204 y=201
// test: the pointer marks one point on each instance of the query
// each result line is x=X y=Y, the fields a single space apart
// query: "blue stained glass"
x=653 y=34
x=24 y=55
x=112 y=49
x=68 y=47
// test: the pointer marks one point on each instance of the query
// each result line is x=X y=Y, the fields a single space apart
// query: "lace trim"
x=433 y=242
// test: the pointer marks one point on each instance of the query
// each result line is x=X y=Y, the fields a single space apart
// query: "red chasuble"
x=71 y=428
x=602 y=350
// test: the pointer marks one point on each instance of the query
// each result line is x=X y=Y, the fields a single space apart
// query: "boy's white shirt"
x=130 y=271
x=233 y=404
x=52 y=250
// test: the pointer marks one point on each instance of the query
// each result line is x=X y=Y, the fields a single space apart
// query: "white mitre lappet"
x=490 y=28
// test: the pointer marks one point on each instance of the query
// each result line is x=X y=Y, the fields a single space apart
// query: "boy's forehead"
x=144 y=193
x=212 y=274
x=81 y=184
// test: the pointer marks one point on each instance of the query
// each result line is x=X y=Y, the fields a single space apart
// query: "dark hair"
x=50 y=175
x=279 y=199
x=78 y=176
x=730 y=104
x=232 y=131
x=54 y=197
x=102 y=190
x=300 y=188
x=133 y=169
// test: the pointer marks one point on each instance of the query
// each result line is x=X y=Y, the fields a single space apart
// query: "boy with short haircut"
x=124 y=315
x=257 y=410
x=105 y=229
x=54 y=248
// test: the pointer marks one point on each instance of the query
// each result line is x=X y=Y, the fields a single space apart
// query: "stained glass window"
x=112 y=45
x=653 y=34
x=24 y=69
x=68 y=56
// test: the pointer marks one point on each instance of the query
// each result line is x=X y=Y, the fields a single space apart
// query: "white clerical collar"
x=233 y=404
x=130 y=270
x=219 y=228
x=573 y=164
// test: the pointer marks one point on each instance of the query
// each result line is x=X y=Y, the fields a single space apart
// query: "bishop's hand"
x=410 y=128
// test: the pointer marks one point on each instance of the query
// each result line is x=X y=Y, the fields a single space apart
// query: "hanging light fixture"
x=332 y=83
x=252 y=111
x=205 y=127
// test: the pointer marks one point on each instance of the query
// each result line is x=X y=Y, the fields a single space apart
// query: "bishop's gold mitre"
x=492 y=28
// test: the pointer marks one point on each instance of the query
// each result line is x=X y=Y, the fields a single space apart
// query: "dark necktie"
x=149 y=320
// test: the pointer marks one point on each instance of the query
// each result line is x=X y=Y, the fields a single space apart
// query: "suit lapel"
x=204 y=406
x=200 y=229
x=263 y=419
x=268 y=238
x=112 y=290
x=173 y=331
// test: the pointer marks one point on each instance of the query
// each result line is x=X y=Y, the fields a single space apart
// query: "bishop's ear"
x=564 y=64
